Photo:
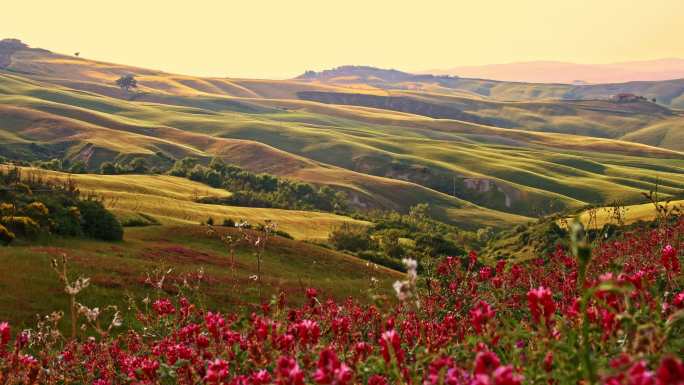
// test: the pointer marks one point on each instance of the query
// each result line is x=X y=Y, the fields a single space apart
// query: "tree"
x=126 y=82
x=99 y=223
x=214 y=178
x=107 y=168
x=79 y=167
x=138 y=166
x=419 y=212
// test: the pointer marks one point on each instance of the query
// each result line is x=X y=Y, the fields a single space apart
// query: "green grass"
x=381 y=158
x=30 y=287
x=171 y=200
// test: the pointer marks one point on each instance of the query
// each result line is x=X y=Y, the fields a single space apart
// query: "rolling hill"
x=387 y=138
x=182 y=250
x=669 y=93
x=170 y=200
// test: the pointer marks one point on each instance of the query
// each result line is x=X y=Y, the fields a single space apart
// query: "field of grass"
x=597 y=218
x=30 y=287
x=99 y=128
x=471 y=173
x=171 y=201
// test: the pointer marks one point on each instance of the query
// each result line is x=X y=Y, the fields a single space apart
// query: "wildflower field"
x=610 y=312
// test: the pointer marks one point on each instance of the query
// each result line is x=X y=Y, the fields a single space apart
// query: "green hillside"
x=287 y=265
x=491 y=163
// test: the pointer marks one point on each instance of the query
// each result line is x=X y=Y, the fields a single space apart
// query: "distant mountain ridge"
x=371 y=75
x=666 y=92
x=572 y=73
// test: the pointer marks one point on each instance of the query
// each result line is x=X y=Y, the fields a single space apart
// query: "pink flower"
x=289 y=372
x=5 y=333
x=669 y=259
x=390 y=344
x=308 y=332
x=504 y=375
x=163 y=307
x=311 y=293
x=480 y=314
x=377 y=379
x=670 y=372
x=677 y=302
x=486 y=362
x=640 y=375
x=217 y=371
x=472 y=257
x=261 y=377
x=331 y=371
x=541 y=303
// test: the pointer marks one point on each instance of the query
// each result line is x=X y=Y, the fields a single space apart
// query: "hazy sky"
x=282 y=38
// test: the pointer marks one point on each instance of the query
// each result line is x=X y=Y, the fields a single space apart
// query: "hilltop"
x=386 y=138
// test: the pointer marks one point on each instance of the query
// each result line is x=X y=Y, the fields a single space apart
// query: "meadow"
x=170 y=200
x=195 y=293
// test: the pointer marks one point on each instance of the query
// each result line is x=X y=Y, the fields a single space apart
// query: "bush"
x=382 y=260
x=7 y=209
x=351 y=238
x=228 y=223
x=23 y=226
x=99 y=223
x=108 y=168
x=36 y=210
x=6 y=236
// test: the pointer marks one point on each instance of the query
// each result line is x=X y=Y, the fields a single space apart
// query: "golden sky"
x=282 y=38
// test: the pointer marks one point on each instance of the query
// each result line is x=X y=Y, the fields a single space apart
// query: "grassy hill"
x=492 y=163
x=538 y=239
x=171 y=200
x=30 y=287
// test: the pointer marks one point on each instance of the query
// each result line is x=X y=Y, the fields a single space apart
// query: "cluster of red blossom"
x=617 y=320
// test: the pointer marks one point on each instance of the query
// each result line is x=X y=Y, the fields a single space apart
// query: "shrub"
x=382 y=260
x=21 y=225
x=228 y=222
x=36 y=210
x=350 y=237
x=6 y=236
x=436 y=245
x=23 y=188
x=99 y=223
x=7 y=209
x=108 y=168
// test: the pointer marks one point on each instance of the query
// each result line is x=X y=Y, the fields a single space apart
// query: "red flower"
x=486 y=362
x=217 y=371
x=377 y=380
x=5 y=333
x=504 y=375
x=390 y=342
x=677 y=302
x=163 y=307
x=640 y=375
x=288 y=372
x=541 y=303
x=311 y=293
x=548 y=361
x=472 y=256
x=480 y=314
x=308 y=332
x=669 y=259
x=261 y=377
x=670 y=372
x=330 y=370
